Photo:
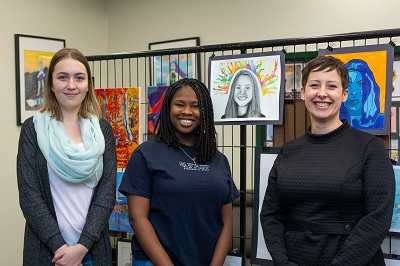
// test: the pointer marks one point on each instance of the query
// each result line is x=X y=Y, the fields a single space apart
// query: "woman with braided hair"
x=179 y=186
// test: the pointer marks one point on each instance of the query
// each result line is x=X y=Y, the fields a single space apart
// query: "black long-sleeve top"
x=329 y=200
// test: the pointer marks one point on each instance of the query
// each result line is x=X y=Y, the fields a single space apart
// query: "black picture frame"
x=264 y=160
x=374 y=63
x=266 y=73
x=179 y=65
x=31 y=50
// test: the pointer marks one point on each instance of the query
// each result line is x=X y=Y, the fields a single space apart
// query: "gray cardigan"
x=42 y=234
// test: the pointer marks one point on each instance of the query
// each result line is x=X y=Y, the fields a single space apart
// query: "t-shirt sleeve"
x=136 y=179
x=233 y=191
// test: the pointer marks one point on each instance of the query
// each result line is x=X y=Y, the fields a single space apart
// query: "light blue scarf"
x=64 y=156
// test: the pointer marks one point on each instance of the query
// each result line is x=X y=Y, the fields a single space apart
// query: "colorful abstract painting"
x=120 y=106
x=247 y=88
x=155 y=98
x=370 y=71
x=119 y=218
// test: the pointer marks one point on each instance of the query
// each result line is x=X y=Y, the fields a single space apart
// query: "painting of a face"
x=172 y=67
x=354 y=100
x=243 y=90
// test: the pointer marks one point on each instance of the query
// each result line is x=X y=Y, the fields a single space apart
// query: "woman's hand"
x=70 y=256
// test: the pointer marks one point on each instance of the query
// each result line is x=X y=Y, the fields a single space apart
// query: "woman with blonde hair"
x=66 y=168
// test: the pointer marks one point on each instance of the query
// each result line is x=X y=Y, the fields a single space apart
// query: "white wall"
x=107 y=26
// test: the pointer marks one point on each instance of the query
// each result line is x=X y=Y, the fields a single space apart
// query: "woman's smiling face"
x=70 y=84
x=185 y=115
x=323 y=96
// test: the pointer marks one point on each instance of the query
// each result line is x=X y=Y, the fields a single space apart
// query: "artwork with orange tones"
x=120 y=107
x=32 y=58
x=247 y=88
x=370 y=69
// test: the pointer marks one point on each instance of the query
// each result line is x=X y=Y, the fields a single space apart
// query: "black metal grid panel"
x=237 y=142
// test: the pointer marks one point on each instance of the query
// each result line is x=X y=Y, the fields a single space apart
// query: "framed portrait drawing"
x=166 y=69
x=247 y=88
x=370 y=69
x=32 y=58
x=264 y=160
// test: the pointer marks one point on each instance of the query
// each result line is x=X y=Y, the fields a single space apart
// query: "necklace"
x=193 y=159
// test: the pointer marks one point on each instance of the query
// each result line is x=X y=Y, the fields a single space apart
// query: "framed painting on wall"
x=32 y=58
x=166 y=69
x=247 y=88
x=370 y=71
x=121 y=107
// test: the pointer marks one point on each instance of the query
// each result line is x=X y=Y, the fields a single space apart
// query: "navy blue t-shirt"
x=185 y=199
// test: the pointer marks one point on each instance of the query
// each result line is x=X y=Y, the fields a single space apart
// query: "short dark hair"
x=328 y=63
x=206 y=140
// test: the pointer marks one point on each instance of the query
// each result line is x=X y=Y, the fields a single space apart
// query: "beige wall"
x=107 y=26
x=84 y=25
x=133 y=24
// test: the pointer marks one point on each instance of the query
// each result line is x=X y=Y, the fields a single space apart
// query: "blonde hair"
x=89 y=106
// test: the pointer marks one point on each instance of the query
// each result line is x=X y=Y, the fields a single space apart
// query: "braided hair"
x=205 y=134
